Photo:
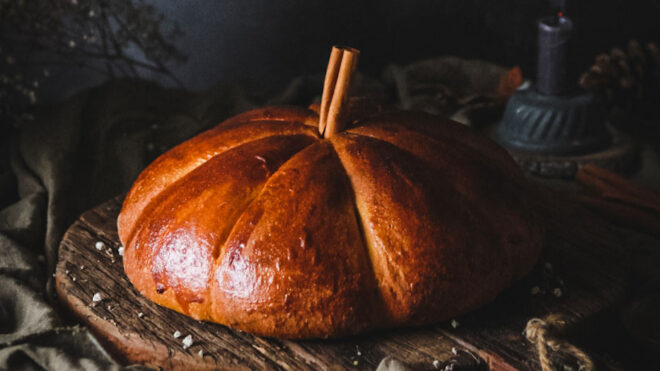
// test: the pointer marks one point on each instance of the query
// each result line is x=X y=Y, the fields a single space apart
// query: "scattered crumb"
x=53 y=274
x=66 y=271
x=82 y=267
x=454 y=351
x=536 y=290
x=120 y=250
x=96 y=298
x=140 y=315
x=201 y=353
x=187 y=342
x=109 y=307
x=436 y=364
x=73 y=279
x=355 y=363
x=455 y=323
x=99 y=245
x=176 y=334
x=557 y=292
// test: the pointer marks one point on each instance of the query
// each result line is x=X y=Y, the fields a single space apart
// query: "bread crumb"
x=66 y=271
x=96 y=298
x=120 y=250
x=436 y=364
x=455 y=323
x=99 y=245
x=73 y=279
x=176 y=334
x=454 y=351
x=140 y=315
x=187 y=342
x=536 y=290
x=201 y=353
x=82 y=267
x=355 y=363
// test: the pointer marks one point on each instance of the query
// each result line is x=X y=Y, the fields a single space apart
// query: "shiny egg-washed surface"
x=262 y=225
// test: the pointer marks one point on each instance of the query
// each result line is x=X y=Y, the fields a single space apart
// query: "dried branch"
x=39 y=33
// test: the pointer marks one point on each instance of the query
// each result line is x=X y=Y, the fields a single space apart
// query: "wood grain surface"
x=581 y=274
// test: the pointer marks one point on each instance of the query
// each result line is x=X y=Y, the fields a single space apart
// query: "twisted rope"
x=543 y=333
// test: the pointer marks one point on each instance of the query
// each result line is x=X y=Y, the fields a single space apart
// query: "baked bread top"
x=263 y=225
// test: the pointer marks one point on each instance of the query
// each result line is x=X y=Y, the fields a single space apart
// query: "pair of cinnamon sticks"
x=621 y=200
x=336 y=88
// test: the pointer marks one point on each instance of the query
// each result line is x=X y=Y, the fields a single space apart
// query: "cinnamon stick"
x=341 y=66
x=623 y=214
x=613 y=187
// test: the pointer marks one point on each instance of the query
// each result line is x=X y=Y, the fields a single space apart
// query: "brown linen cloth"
x=90 y=148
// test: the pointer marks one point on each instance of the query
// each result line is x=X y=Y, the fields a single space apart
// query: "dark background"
x=269 y=42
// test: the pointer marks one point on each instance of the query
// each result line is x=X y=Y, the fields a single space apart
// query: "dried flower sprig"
x=94 y=34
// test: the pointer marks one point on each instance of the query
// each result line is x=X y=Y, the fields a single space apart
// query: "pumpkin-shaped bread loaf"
x=283 y=223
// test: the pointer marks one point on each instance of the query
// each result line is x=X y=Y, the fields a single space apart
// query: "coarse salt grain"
x=557 y=292
x=455 y=323
x=187 y=342
x=436 y=364
x=120 y=250
x=176 y=334
x=96 y=298
x=99 y=245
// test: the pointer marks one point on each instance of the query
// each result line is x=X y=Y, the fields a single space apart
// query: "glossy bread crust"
x=262 y=225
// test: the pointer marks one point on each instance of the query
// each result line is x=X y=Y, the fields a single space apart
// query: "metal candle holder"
x=552 y=117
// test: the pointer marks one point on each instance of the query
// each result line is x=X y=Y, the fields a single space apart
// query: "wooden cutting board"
x=581 y=275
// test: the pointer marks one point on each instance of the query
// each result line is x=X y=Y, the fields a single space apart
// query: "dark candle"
x=554 y=35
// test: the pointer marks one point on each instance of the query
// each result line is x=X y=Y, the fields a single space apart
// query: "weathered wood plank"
x=584 y=265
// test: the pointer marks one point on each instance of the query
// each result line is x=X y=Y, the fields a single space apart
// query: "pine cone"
x=628 y=80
